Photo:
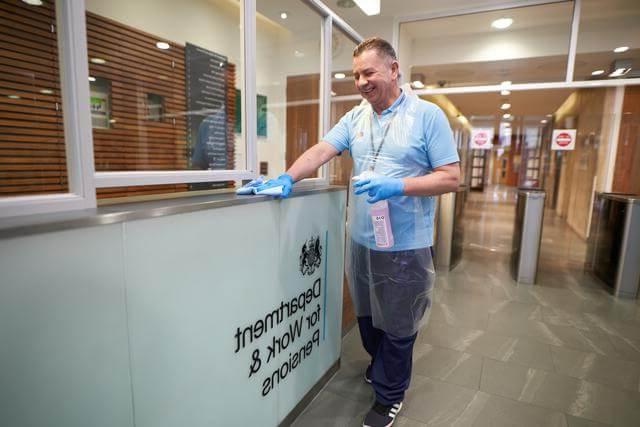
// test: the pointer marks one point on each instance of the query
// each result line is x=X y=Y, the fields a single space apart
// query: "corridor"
x=562 y=352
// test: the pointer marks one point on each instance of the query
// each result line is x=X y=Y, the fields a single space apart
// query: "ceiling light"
x=283 y=15
x=92 y=79
x=46 y=91
x=369 y=7
x=506 y=83
x=621 y=49
x=597 y=72
x=13 y=97
x=99 y=61
x=417 y=84
x=339 y=75
x=33 y=2
x=506 y=116
x=549 y=115
x=543 y=121
x=505 y=106
x=163 y=45
x=333 y=93
x=507 y=125
x=620 y=72
x=502 y=23
x=505 y=92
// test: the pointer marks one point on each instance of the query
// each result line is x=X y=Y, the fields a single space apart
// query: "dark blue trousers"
x=391 y=357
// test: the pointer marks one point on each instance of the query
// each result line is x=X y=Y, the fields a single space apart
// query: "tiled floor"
x=559 y=353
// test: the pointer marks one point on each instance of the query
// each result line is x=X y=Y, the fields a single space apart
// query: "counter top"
x=111 y=214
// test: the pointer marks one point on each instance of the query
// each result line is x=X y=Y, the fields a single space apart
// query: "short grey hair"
x=382 y=46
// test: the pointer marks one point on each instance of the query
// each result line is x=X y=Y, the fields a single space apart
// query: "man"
x=403 y=153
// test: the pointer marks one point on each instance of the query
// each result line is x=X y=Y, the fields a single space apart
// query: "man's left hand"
x=380 y=188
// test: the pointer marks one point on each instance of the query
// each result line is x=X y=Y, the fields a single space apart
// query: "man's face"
x=375 y=76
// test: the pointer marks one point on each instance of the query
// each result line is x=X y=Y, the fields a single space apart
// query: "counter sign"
x=563 y=139
x=481 y=138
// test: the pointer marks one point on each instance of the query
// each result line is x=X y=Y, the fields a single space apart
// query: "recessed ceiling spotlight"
x=99 y=61
x=507 y=125
x=13 y=97
x=92 y=79
x=597 y=72
x=339 y=75
x=502 y=23
x=619 y=72
x=163 y=45
x=505 y=92
x=506 y=116
x=33 y=2
x=333 y=93
x=369 y=7
x=505 y=106
x=283 y=15
x=543 y=121
x=621 y=49
x=46 y=91
x=506 y=83
x=417 y=84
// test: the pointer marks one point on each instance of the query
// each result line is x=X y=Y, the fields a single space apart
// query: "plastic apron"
x=392 y=286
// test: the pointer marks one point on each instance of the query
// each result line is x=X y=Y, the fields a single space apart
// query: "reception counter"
x=212 y=310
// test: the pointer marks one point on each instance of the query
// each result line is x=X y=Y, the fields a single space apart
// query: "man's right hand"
x=284 y=180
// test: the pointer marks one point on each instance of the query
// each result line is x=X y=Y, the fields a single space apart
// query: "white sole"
x=392 y=421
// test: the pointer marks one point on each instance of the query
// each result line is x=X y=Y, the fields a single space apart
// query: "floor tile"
x=447 y=365
x=436 y=403
x=610 y=371
x=332 y=410
x=581 y=422
x=501 y=412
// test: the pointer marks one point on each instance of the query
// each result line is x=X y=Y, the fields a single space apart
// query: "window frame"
x=74 y=78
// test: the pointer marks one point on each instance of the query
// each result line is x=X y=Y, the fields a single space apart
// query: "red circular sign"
x=563 y=139
x=481 y=138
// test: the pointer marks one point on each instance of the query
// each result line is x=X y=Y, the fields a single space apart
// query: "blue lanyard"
x=376 y=152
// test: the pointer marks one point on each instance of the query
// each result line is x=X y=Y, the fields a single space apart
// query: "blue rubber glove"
x=380 y=188
x=284 y=180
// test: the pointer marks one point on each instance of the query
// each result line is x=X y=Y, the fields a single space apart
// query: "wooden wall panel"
x=626 y=177
x=303 y=113
x=32 y=150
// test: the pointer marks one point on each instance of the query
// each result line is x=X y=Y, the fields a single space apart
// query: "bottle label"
x=380 y=230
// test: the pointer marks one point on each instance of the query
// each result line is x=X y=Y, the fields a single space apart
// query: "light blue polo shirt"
x=418 y=140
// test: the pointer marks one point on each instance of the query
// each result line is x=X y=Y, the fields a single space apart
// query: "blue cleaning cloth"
x=252 y=188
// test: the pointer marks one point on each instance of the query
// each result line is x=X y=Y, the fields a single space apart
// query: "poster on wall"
x=261 y=110
x=563 y=139
x=481 y=138
x=206 y=90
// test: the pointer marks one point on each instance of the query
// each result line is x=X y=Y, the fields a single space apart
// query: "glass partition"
x=342 y=84
x=287 y=81
x=32 y=142
x=559 y=140
x=520 y=45
x=164 y=88
x=608 y=40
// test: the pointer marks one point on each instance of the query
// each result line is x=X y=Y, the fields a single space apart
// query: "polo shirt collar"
x=395 y=104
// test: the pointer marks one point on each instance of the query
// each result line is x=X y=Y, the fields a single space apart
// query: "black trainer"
x=381 y=415
x=367 y=375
